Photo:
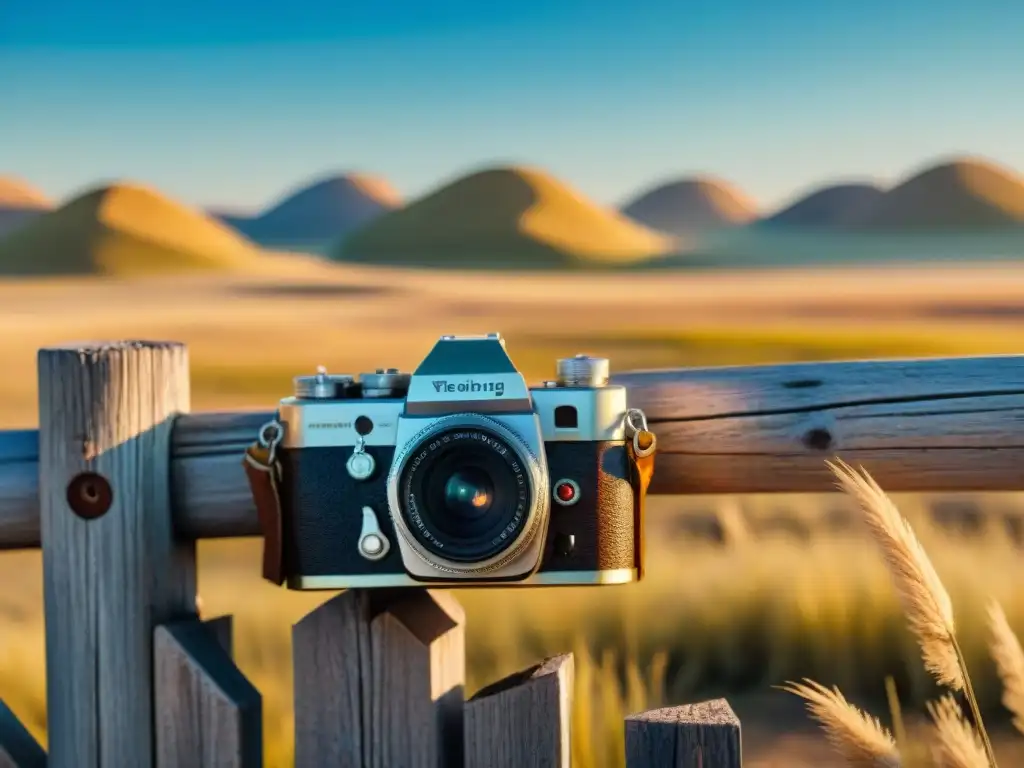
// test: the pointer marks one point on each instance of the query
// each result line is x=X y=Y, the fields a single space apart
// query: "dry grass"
x=926 y=603
x=928 y=609
x=1009 y=659
x=710 y=620
x=858 y=737
x=958 y=744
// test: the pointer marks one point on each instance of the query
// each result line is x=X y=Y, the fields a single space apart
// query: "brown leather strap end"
x=264 y=478
x=643 y=467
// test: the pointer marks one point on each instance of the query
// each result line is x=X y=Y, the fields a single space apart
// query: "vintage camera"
x=459 y=475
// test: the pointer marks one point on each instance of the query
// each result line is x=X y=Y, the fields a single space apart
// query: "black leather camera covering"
x=322 y=510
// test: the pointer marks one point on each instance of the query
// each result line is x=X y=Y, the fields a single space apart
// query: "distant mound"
x=20 y=202
x=827 y=207
x=231 y=217
x=960 y=195
x=13 y=218
x=17 y=193
x=122 y=229
x=691 y=205
x=326 y=210
x=504 y=218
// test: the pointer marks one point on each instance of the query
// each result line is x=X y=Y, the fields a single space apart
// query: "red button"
x=565 y=492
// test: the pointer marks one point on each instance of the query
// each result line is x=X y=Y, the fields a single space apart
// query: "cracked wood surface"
x=917 y=425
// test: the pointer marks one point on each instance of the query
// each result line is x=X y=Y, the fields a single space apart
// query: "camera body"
x=458 y=475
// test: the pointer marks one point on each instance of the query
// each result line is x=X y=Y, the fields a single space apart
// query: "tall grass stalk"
x=896 y=713
x=928 y=610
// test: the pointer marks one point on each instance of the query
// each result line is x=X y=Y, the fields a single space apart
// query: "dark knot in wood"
x=802 y=383
x=818 y=439
x=90 y=495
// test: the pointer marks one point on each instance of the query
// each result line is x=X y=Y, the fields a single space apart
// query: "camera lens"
x=465 y=494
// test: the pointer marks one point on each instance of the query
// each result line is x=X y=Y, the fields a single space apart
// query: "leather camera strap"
x=641 y=451
x=264 y=476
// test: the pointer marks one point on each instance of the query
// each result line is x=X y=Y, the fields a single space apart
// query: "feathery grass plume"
x=926 y=603
x=1008 y=655
x=859 y=737
x=957 y=744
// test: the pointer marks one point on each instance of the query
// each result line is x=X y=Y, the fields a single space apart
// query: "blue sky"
x=232 y=102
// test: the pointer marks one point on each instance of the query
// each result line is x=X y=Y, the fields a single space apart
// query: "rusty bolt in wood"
x=90 y=495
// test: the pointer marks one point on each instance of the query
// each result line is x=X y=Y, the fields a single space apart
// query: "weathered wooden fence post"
x=207 y=712
x=112 y=569
x=704 y=735
x=379 y=680
x=18 y=748
x=523 y=720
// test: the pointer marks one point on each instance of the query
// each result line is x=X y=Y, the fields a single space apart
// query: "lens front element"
x=468 y=494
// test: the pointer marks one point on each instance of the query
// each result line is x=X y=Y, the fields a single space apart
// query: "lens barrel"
x=465 y=494
x=468 y=494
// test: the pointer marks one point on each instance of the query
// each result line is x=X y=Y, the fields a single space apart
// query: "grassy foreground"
x=710 y=619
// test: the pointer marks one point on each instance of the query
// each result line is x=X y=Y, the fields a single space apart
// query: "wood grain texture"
x=523 y=720
x=704 y=735
x=108 y=582
x=18 y=748
x=379 y=678
x=208 y=715
x=936 y=424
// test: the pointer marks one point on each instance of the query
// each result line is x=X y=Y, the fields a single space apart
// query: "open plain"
x=742 y=594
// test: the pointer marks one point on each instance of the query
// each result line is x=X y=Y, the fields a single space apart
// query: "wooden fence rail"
x=916 y=425
x=120 y=481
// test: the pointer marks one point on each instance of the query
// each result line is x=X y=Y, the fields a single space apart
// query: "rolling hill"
x=322 y=211
x=18 y=193
x=691 y=205
x=122 y=229
x=827 y=206
x=20 y=202
x=508 y=217
x=965 y=194
x=13 y=218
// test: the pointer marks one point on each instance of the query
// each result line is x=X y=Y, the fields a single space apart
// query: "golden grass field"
x=790 y=592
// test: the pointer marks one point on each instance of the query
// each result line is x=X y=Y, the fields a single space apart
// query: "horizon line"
x=287 y=191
